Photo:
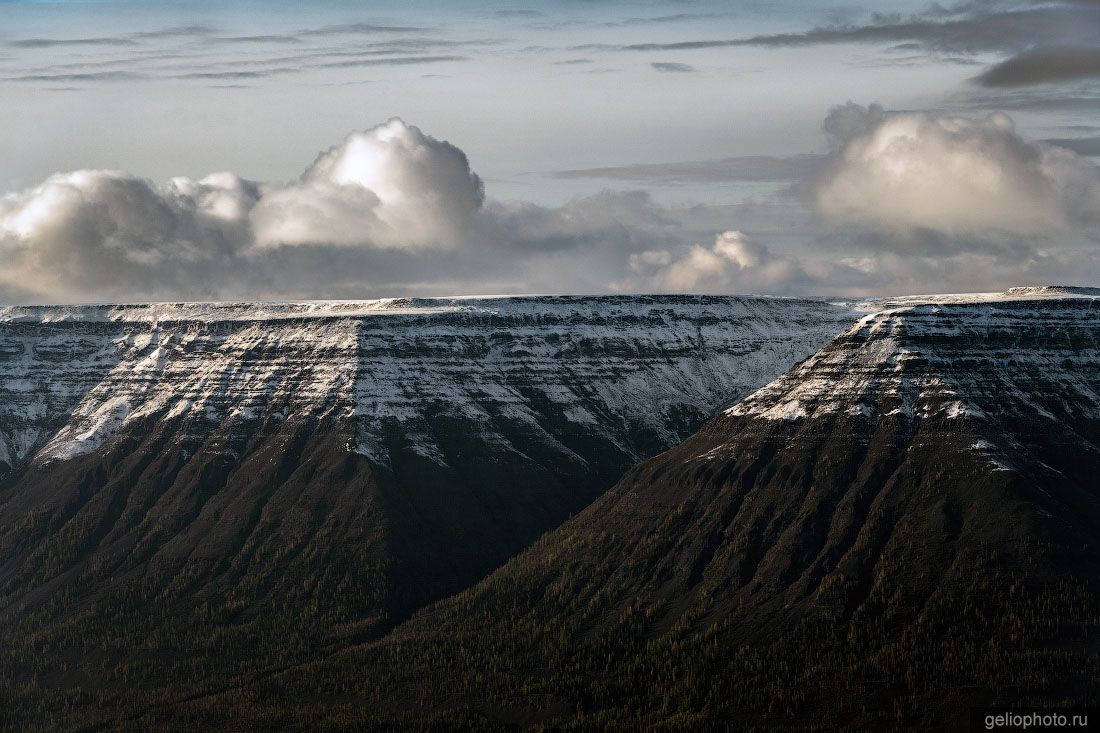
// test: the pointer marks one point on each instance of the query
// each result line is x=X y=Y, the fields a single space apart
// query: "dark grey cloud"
x=630 y=22
x=182 y=31
x=253 y=65
x=662 y=19
x=978 y=29
x=262 y=39
x=918 y=59
x=62 y=42
x=320 y=33
x=355 y=29
x=1046 y=42
x=750 y=169
x=1044 y=66
x=1035 y=99
x=517 y=13
x=244 y=74
x=138 y=58
x=399 y=61
x=87 y=76
x=208 y=33
x=673 y=67
x=401 y=47
x=1088 y=146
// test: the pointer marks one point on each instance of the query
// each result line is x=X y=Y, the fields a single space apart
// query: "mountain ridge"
x=917 y=537
x=898 y=527
x=275 y=485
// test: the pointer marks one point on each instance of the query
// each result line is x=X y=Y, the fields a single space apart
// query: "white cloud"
x=82 y=231
x=650 y=258
x=916 y=202
x=731 y=264
x=96 y=233
x=391 y=187
x=390 y=210
x=901 y=172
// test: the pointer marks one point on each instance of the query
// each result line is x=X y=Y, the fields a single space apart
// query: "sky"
x=283 y=150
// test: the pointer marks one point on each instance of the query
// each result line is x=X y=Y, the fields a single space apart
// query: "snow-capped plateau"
x=1031 y=356
x=72 y=377
x=392 y=451
x=253 y=469
x=1024 y=292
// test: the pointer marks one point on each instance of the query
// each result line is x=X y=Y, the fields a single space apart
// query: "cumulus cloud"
x=391 y=186
x=108 y=234
x=394 y=211
x=389 y=210
x=901 y=173
x=79 y=232
x=673 y=67
x=731 y=264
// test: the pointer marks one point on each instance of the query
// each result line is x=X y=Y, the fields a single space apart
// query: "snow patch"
x=91 y=432
x=956 y=410
x=785 y=411
x=182 y=407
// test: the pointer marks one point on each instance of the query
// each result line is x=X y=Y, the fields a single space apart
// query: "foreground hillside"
x=902 y=527
x=196 y=494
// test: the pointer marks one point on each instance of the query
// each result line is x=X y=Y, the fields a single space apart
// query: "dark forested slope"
x=902 y=527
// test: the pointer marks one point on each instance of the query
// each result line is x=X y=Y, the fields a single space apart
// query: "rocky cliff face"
x=307 y=474
x=639 y=368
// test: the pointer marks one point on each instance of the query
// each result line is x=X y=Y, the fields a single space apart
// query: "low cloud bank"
x=391 y=209
x=911 y=201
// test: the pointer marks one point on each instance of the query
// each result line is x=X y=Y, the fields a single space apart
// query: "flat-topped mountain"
x=1023 y=292
x=274 y=479
x=903 y=526
x=893 y=527
x=646 y=368
x=1069 y=291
